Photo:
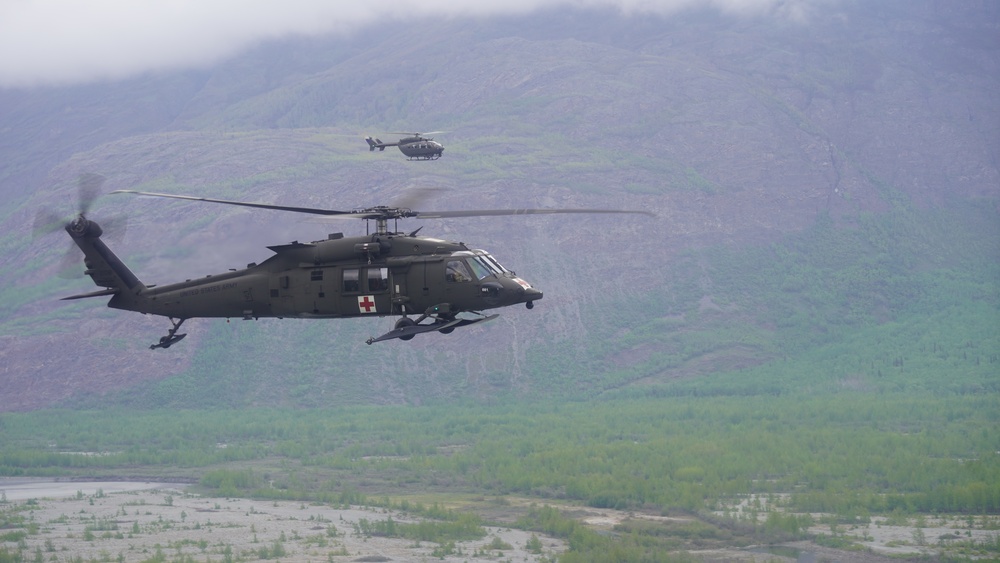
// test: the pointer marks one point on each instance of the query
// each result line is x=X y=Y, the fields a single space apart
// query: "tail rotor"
x=48 y=221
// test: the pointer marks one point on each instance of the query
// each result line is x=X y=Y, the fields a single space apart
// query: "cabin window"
x=351 y=281
x=317 y=275
x=378 y=279
x=457 y=271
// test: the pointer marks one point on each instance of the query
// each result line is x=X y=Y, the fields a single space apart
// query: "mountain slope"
x=800 y=175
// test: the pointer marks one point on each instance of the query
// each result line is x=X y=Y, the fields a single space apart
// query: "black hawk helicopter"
x=416 y=146
x=381 y=273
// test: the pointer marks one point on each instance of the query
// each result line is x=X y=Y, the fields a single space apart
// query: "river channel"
x=23 y=488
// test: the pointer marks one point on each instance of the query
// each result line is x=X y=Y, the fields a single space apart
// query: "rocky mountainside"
x=738 y=133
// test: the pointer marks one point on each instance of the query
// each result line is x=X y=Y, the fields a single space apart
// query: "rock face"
x=734 y=131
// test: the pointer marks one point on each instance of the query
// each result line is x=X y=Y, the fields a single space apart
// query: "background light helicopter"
x=416 y=146
x=381 y=273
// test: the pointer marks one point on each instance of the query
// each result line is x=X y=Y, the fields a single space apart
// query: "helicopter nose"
x=509 y=292
x=527 y=294
x=530 y=296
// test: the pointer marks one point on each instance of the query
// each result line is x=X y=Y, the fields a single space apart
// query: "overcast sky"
x=55 y=42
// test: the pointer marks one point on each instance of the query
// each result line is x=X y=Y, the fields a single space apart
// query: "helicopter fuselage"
x=421 y=148
x=375 y=275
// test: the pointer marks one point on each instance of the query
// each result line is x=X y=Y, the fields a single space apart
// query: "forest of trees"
x=838 y=453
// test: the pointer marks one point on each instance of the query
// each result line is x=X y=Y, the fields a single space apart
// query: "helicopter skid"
x=407 y=332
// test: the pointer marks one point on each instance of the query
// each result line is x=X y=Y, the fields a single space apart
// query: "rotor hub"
x=83 y=227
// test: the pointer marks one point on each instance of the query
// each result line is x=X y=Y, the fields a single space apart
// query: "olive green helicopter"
x=416 y=146
x=432 y=285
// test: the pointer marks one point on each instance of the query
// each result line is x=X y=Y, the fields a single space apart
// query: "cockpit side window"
x=457 y=271
x=478 y=268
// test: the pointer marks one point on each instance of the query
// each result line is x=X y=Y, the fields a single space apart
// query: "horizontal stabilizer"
x=101 y=293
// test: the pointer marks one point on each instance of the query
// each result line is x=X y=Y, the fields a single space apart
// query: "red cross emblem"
x=366 y=304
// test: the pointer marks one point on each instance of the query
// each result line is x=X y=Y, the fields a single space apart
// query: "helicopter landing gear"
x=466 y=322
x=402 y=324
x=445 y=323
x=172 y=337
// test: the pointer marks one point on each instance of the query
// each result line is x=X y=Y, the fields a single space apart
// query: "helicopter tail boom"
x=377 y=144
x=103 y=266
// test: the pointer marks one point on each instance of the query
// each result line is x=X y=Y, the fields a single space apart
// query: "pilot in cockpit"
x=457 y=271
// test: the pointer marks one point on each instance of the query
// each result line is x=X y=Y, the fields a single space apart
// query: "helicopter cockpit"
x=495 y=285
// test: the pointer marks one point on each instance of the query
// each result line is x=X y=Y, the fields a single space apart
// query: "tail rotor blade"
x=115 y=227
x=90 y=187
x=46 y=221
x=71 y=264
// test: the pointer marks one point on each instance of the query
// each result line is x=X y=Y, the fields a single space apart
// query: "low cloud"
x=58 y=42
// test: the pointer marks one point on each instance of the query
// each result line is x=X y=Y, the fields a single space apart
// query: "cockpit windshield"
x=479 y=262
x=491 y=263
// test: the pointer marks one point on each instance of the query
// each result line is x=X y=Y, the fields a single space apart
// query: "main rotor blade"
x=496 y=212
x=414 y=197
x=386 y=212
x=313 y=210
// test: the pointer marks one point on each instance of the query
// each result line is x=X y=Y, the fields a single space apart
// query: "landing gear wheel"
x=172 y=337
x=403 y=323
x=446 y=320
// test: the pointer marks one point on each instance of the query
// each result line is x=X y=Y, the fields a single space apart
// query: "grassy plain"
x=742 y=470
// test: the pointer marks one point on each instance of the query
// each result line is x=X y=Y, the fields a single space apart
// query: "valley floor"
x=147 y=521
x=165 y=524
